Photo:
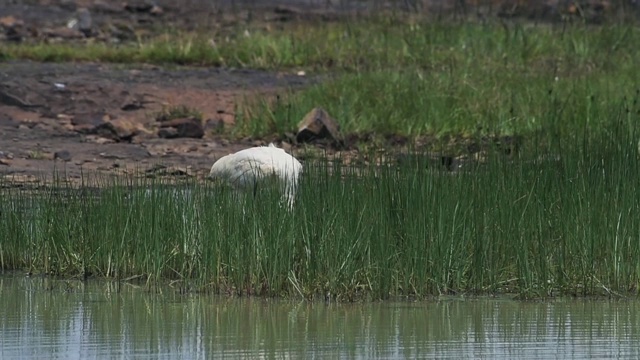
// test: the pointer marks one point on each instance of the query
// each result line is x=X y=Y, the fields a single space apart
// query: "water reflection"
x=44 y=318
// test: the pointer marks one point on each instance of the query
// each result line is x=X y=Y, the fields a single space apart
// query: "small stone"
x=9 y=22
x=110 y=156
x=122 y=129
x=168 y=133
x=156 y=10
x=85 y=24
x=118 y=131
x=14 y=29
x=7 y=97
x=316 y=125
x=190 y=127
x=98 y=140
x=162 y=170
x=89 y=120
x=139 y=6
x=133 y=105
x=63 y=155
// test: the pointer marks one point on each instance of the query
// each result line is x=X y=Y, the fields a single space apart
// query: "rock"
x=317 y=125
x=63 y=155
x=131 y=106
x=85 y=24
x=133 y=103
x=8 y=98
x=156 y=10
x=98 y=140
x=163 y=170
x=15 y=34
x=8 y=22
x=168 y=133
x=116 y=132
x=111 y=156
x=13 y=28
x=4 y=155
x=120 y=129
x=185 y=127
x=142 y=7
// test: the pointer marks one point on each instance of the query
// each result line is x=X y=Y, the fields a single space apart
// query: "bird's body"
x=247 y=168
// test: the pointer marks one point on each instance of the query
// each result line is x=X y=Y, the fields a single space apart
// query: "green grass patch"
x=465 y=80
x=539 y=225
x=420 y=103
x=366 y=44
x=409 y=77
x=182 y=50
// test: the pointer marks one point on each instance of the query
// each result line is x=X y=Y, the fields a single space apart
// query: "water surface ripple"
x=54 y=319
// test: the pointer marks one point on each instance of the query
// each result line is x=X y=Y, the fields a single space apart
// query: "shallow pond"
x=56 y=319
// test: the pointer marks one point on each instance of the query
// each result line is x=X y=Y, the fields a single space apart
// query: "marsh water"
x=58 y=319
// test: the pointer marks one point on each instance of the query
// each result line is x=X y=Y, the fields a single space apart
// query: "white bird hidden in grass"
x=248 y=168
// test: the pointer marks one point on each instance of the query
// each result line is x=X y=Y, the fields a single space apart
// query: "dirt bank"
x=55 y=114
x=101 y=117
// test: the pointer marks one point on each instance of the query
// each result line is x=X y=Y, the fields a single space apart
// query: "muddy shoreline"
x=96 y=117
x=52 y=115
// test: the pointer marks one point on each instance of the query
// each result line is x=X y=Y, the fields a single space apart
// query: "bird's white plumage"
x=247 y=168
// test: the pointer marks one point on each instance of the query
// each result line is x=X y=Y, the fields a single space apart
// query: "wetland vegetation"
x=556 y=217
x=534 y=226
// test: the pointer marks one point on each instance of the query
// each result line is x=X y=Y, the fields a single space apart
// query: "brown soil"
x=49 y=114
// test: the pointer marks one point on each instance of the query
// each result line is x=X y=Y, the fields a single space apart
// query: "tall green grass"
x=443 y=79
x=537 y=225
x=464 y=80
x=558 y=218
x=366 y=44
x=417 y=103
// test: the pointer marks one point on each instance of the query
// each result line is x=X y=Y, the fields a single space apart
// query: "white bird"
x=247 y=168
